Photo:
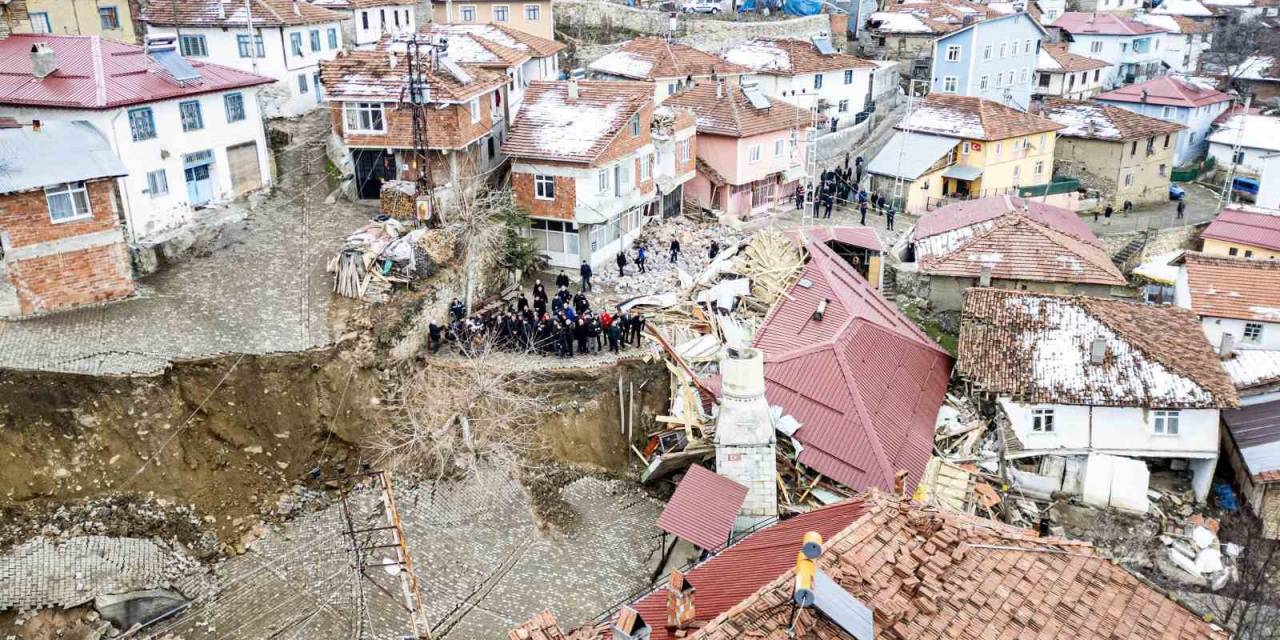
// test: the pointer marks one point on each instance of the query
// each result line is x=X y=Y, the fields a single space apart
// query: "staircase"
x=1132 y=249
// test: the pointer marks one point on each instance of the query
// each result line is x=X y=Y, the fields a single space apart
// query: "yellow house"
x=532 y=17
x=107 y=18
x=961 y=147
x=1242 y=231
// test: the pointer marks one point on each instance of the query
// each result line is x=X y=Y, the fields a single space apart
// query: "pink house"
x=750 y=147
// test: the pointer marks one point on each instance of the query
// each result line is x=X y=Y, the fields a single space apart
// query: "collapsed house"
x=1006 y=242
x=881 y=566
x=1083 y=386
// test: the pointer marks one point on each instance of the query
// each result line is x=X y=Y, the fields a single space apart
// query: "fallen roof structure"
x=703 y=508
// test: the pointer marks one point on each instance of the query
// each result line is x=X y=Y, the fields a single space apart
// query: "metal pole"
x=1235 y=150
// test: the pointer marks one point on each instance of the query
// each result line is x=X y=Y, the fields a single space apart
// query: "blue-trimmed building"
x=994 y=59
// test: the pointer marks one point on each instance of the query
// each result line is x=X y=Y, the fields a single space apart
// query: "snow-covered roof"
x=1037 y=348
x=759 y=55
x=1259 y=132
x=553 y=126
x=1160 y=268
x=1252 y=367
x=1097 y=121
x=1190 y=8
x=893 y=22
x=625 y=64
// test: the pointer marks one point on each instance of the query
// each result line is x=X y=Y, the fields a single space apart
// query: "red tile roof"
x=1106 y=24
x=971 y=212
x=1166 y=90
x=1256 y=228
x=744 y=567
x=1036 y=348
x=96 y=73
x=506 y=45
x=370 y=74
x=973 y=118
x=551 y=126
x=732 y=114
x=864 y=382
x=1223 y=287
x=1067 y=62
x=654 y=58
x=265 y=13
x=1098 y=121
x=1019 y=247
x=703 y=508
x=933 y=575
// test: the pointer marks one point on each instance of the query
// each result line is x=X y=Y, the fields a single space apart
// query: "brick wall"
x=561 y=208
x=448 y=128
x=24 y=217
x=625 y=143
x=63 y=280
x=80 y=275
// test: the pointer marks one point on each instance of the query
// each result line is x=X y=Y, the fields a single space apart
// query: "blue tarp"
x=792 y=7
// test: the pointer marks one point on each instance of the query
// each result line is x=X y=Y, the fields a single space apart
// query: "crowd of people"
x=840 y=185
x=563 y=324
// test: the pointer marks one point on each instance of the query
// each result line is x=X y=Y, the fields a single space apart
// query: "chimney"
x=680 y=611
x=984 y=276
x=821 y=310
x=719 y=88
x=573 y=89
x=1098 y=350
x=297 y=10
x=222 y=10
x=1227 y=346
x=43 y=60
x=629 y=626
x=900 y=483
x=744 y=438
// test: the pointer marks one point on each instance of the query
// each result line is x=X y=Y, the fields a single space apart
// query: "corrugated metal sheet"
x=909 y=154
x=1254 y=228
x=864 y=382
x=703 y=508
x=743 y=568
x=95 y=73
x=60 y=152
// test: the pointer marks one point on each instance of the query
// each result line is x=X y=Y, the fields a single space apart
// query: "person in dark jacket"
x=562 y=280
x=522 y=304
x=615 y=336
x=457 y=310
x=1106 y=214
x=862 y=212
x=539 y=292
x=888 y=218
x=580 y=303
x=799 y=196
x=622 y=263
x=675 y=250
x=623 y=322
x=1182 y=208
x=581 y=331
x=714 y=250
x=434 y=332
x=828 y=201
x=557 y=306
x=585 y=272
x=596 y=333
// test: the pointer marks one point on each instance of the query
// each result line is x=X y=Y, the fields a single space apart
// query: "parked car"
x=701 y=6
x=1176 y=192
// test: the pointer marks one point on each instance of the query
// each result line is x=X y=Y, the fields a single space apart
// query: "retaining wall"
x=701 y=32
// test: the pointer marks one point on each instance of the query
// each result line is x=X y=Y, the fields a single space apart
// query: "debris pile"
x=1195 y=549
x=660 y=274
x=381 y=254
x=399 y=199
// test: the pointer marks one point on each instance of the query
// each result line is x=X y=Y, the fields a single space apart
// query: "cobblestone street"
x=483 y=564
x=264 y=292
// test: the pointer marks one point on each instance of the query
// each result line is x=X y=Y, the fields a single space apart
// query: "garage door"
x=246 y=173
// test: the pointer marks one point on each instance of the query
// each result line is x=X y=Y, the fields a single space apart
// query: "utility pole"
x=1235 y=151
x=253 y=41
x=899 y=185
x=419 y=94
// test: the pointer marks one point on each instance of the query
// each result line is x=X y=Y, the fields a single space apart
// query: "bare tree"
x=446 y=416
x=1236 y=46
x=1250 y=603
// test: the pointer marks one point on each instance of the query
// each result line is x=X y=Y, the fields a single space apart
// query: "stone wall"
x=703 y=32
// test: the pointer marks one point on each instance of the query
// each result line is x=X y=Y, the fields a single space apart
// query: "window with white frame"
x=1164 y=422
x=950 y=84
x=364 y=117
x=109 y=17
x=315 y=40
x=602 y=181
x=1253 y=332
x=333 y=38
x=532 y=12
x=234 y=104
x=1128 y=179
x=474 y=107
x=500 y=12
x=251 y=48
x=1095 y=46
x=467 y=13
x=986 y=52
x=682 y=150
x=157 y=183
x=68 y=201
x=753 y=154
x=645 y=163
x=142 y=124
x=1039 y=168
x=778 y=147
x=1023 y=74
x=1004 y=49
x=303 y=87
x=1042 y=420
x=635 y=125
x=295 y=43
x=848 y=76
x=40 y=22
x=953 y=53
x=843 y=106
x=555 y=235
x=193 y=46
x=983 y=82
x=544 y=187
x=817 y=81
x=1026 y=47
